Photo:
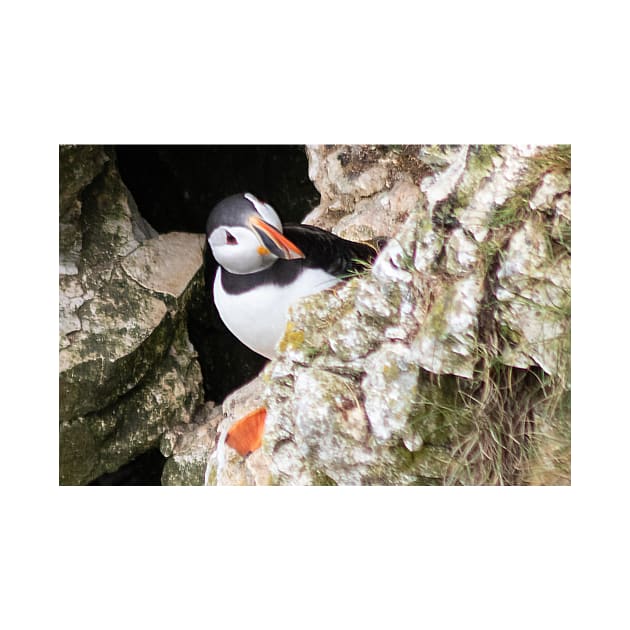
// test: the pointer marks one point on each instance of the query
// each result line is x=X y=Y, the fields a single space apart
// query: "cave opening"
x=174 y=188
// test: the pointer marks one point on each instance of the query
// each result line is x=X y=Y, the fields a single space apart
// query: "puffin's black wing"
x=327 y=251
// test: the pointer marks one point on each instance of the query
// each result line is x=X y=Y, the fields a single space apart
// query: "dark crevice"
x=176 y=186
x=145 y=470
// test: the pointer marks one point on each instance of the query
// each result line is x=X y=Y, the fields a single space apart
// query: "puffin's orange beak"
x=275 y=241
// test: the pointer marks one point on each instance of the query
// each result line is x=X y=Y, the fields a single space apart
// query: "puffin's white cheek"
x=244 y=256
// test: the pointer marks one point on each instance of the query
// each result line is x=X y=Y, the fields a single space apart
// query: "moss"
x=463 y=197
x=78 y=453
x=515 y=209
x=393 y=292
x=212 y=476
x=511 y=337
x=431 y=461
x=104 y=371
x=489 y=252
x=185 y=471
x=293 y=338
x=391 y=371
x=512 y=212
x=428 y=466
x=436 y=322
x=320 y=478
x=480 y=158
x=437 y=414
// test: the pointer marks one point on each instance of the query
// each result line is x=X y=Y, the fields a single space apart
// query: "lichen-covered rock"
x=366 y=191
x=167 y=397
x=188 y=447
x=534 y=293
x=447 y=362
x=389 y=389
x=380 y=215
x=78 y=166
x=127 y=371
x=124 y=331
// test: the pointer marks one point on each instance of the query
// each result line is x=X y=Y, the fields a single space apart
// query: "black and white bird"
x=265 y=267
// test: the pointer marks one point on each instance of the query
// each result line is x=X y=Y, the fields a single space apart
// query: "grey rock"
x=124 y=332
x=188 y=446
x=101 y=441
x=389 y=390
x=78 y=166
x=127 y=371
x=151 y=265
x=534 y=294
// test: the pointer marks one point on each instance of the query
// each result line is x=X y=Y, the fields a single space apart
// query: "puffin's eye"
x=230 y=239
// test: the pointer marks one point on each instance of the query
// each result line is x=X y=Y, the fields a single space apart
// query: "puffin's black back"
x=327 y=251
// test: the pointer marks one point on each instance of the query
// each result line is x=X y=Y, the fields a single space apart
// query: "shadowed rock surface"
x=127 y=371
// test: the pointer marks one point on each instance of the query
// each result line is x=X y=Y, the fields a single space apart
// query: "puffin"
x=263 y=268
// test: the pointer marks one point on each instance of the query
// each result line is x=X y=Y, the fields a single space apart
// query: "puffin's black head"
x=245 y=235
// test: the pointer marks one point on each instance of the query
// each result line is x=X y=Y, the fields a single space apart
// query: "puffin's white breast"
x=258 y=317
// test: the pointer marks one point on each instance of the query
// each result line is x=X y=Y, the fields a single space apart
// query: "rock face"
x=127 y=371
x=449 y=362
x=188 y=446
